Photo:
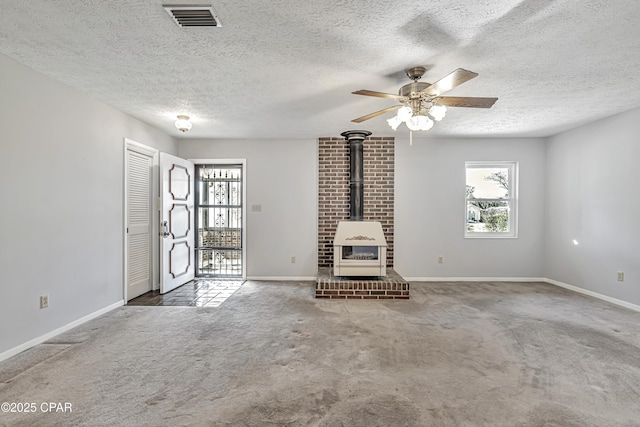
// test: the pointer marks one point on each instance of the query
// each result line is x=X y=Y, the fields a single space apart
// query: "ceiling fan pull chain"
x=410 y=137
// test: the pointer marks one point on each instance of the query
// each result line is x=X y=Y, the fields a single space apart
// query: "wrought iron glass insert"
x=219 y=221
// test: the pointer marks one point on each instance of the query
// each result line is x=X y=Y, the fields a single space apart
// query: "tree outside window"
x=490 y=199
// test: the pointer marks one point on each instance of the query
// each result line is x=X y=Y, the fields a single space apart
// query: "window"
x=491 y=199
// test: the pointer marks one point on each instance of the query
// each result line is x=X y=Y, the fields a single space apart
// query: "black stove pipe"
x=356 y=172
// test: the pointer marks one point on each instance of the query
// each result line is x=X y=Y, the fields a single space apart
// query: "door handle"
x=165 y=229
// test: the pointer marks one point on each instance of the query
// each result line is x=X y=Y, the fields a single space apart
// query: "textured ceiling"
x=286 y=69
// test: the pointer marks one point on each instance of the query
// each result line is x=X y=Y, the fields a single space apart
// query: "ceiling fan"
x=420 y=102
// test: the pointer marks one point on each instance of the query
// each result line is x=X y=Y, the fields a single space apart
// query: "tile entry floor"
x=196 y=293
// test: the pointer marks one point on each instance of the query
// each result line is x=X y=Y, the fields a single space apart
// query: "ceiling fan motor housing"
x=413 y=87
x=416 y=73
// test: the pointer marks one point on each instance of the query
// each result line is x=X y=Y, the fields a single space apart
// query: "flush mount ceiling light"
x=183 y=124
x=421 y=103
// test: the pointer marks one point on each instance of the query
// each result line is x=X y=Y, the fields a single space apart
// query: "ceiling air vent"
x=193 y=15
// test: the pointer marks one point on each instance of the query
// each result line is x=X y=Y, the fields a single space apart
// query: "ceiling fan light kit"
x=422 y=103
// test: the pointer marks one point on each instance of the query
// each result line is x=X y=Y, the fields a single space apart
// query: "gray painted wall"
x=282 y=177
x=430 y=209
x=61 y=186
x=592 y=197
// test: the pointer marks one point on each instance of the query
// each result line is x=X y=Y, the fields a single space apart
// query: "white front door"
x=176 y=222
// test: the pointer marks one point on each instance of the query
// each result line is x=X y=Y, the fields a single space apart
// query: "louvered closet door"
x=138 y=224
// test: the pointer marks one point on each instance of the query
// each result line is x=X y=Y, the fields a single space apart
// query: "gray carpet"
x=456 y=354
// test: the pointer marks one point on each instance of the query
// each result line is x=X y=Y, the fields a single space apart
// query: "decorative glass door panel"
x=219 y=221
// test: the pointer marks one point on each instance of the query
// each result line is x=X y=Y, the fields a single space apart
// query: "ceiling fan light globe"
x=438 y=112
x=394 y=122
x=404 y=113
x=416 y=122
x=427 y=124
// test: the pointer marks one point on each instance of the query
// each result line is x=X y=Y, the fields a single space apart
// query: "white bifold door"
x=176 y=222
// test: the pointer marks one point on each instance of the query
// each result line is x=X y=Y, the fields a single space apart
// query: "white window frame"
x=512 y=200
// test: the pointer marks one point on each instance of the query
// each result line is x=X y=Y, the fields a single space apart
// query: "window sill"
x=491 y=236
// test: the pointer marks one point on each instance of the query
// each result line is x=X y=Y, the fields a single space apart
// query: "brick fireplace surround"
x=333 y=206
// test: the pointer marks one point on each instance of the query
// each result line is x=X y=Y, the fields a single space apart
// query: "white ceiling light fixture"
x=183 y=124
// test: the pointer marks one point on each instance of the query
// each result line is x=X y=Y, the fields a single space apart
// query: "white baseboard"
x=475 y=279
x=39 y=340
x=283 y=278
x=615 y=301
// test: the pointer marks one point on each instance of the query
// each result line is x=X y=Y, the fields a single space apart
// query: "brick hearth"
x=392 y=286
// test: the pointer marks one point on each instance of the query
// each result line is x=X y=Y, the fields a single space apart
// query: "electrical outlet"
x=440 y=259
x=620 y=276
x=44 y=301
x=256 y=208
x=293 y=260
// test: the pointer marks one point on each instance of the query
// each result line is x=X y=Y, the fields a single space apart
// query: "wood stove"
x=359 y=249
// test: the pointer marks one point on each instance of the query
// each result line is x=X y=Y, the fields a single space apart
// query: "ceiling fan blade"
x=376 y=114
x=379 y=94
x=453 y=79
x=465 y=101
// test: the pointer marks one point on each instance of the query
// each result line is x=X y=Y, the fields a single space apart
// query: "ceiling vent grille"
x=193 y=15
